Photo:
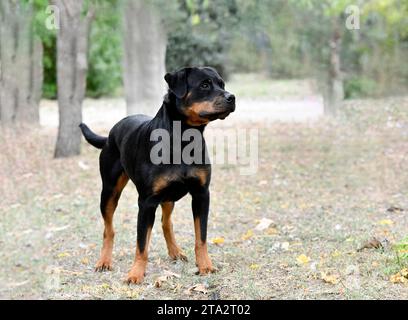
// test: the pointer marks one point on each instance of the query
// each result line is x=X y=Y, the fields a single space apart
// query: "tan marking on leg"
x=159 y=184
x=137 y=272
x=173 y=249
x=121 y=184
x=201 y=174
x=105 y=260
x=203 y=261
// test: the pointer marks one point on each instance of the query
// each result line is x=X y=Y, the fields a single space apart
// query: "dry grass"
x=327 y=188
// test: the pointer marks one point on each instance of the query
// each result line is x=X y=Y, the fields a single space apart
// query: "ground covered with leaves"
x=325 y=217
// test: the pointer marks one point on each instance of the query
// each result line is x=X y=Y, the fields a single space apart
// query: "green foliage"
x=193 y=49
x=359 y=86
x=105 y=51
x=104 y=67
x=50 y=69
x=48 y=39
x=279 y=38
x=200 y=34
x=401 y=249
x=291 y=39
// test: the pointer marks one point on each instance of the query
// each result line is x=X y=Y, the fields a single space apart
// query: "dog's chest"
x=180 y=177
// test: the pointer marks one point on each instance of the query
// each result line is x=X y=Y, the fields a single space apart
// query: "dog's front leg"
x=145 y=221
x=200 y=206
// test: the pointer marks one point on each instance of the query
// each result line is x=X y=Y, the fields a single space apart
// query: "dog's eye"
x=205 y=84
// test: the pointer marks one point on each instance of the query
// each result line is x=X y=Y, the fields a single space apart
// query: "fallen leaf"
x=133 y=294
x=263 y=224
x=285 y=246
x=374 y=243
x=105 y=286
x=400 y=277
x=254 y=266
x=159 y=281
x=63 y=255
x=70 y=272
x=177 y=287
x=303 y=259
x=386 y=222
x=272 y=231
x=167 y=276
x=86 y=288
x=329 y=278
x=172 y=274
x=202 y=288
x=394 y=209
x=247 y=235
x=85 y=260
x=336 y=253
x=285 y=205
x=218 y=240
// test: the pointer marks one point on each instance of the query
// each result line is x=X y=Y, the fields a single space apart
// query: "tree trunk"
x=21 y=72
x=72 y=65
x=335 y=93
x=144 y=57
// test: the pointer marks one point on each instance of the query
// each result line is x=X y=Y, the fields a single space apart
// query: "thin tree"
x=335 y=94
x=21 y=70
x=144 y=56
x=72 y=65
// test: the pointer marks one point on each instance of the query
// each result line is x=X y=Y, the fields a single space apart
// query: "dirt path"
x=106 y=112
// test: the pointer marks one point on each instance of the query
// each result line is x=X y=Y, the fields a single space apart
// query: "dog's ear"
x=177 y=82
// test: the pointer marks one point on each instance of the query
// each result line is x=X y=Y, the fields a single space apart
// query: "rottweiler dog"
x=196 y=96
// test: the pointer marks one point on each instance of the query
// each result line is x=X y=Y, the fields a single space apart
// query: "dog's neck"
x=169 y=112
x=170 y=119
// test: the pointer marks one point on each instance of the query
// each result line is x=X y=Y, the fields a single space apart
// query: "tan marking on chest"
x=193 y=112
x=163 y=181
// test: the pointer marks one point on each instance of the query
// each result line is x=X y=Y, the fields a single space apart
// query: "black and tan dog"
x=196 y=96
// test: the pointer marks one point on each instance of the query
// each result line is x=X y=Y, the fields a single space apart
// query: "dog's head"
x=201 y=96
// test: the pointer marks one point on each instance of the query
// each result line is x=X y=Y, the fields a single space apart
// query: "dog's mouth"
x=215 y=115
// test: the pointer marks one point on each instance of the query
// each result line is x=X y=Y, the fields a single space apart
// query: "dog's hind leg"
x=173 y=249
x=114 y=179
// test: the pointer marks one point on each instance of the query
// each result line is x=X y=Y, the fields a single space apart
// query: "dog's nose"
x=230 y=98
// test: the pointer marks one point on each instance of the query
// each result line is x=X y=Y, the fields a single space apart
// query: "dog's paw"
x=103 y=265
x=177 y=254
x=203 y=270
x=134 y=277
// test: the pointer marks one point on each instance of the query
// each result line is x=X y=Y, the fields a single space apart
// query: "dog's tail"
x=93 y=139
